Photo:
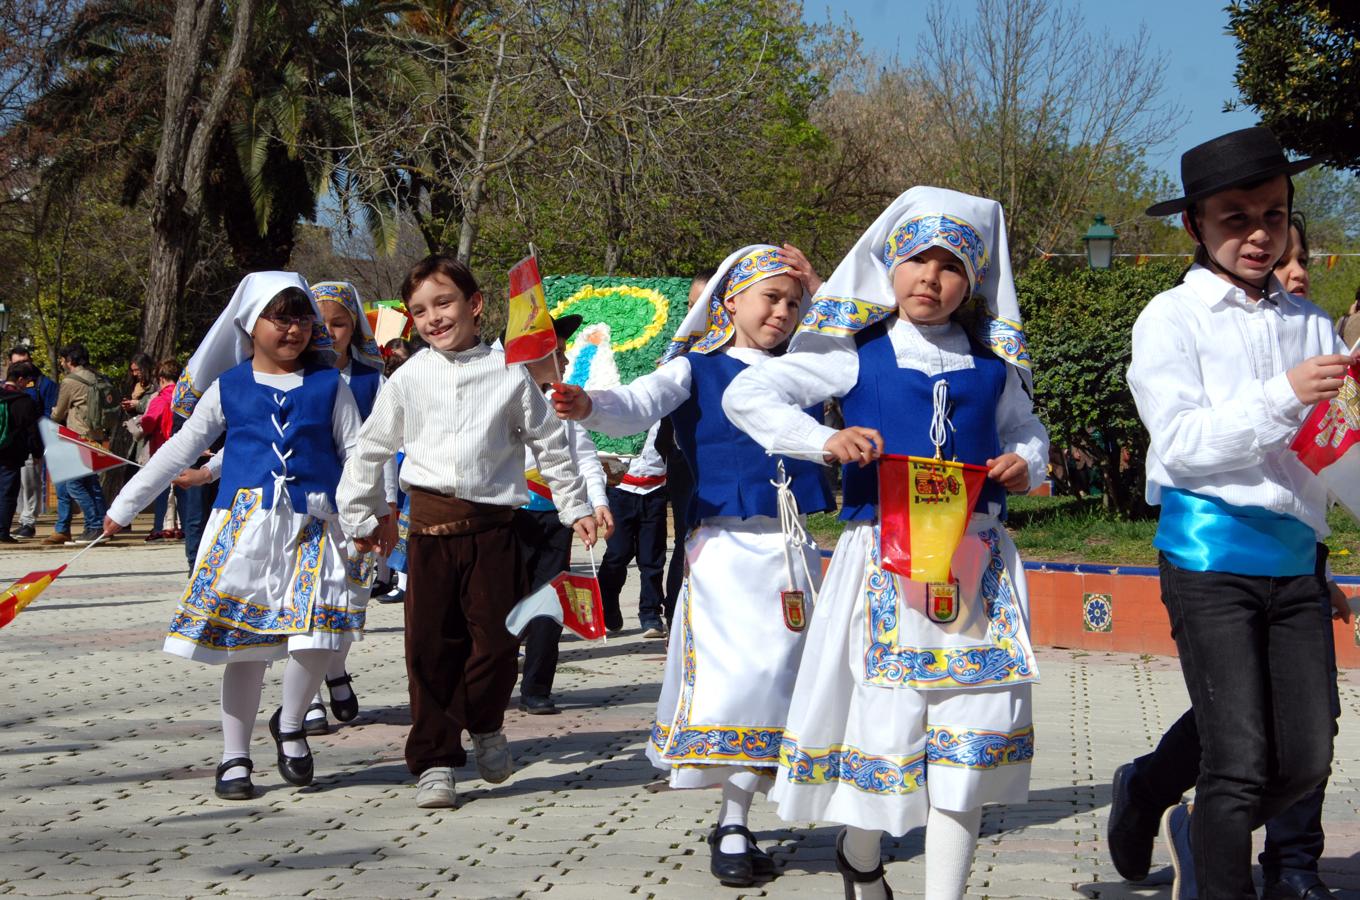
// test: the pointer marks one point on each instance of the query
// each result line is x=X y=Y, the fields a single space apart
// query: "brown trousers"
x=461 y=662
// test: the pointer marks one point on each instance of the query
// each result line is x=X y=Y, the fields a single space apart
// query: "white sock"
x=736 y=808
x=401 y=580
x=336 y=669
x=951 y=838
x=241 y=686
x=301 y=681
x=862 y=849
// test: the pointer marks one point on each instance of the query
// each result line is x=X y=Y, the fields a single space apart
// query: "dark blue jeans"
x=639 y=532
x=10 y=479
x=87 y=494
x=1254 y=653
x=195 y=504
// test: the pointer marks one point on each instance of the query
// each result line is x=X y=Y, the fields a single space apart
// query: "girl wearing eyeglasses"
x=270 y=579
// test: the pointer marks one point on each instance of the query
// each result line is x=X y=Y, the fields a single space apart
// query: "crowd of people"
x=311 y=470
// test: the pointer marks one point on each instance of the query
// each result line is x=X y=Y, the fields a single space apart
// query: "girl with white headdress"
x=739 y=627
x=270 y=580
x=361 y=367
x=908 y=712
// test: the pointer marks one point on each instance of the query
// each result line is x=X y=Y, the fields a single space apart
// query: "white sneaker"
x=494 y=762
x=434 y=789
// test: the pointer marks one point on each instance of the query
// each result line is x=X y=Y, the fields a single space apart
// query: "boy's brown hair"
x=439 y=264
x=168 y=369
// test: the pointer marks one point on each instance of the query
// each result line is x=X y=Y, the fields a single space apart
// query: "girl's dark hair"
x=1297 y=220
x=168 y=369
x=398 y=352
x=148 y=367
x=24 y=369
x=439 y=264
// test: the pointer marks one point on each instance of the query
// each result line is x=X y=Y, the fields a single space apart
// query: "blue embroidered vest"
x=363 y=384
x=264 y=424
x=898 y=402
x=731 y=471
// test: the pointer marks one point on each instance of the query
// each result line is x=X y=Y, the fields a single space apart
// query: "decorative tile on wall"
x=1097 y=612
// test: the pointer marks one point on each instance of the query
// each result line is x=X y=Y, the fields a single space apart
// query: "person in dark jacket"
x=19 y=440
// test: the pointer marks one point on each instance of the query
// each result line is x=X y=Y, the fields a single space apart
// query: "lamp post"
x=1099 y=240
x=4 y=322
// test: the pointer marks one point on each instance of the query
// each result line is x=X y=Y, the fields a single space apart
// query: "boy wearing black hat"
x=546 y=542
x=1226 y=366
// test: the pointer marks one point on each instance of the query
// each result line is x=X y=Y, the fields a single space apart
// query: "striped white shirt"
x=464 y=420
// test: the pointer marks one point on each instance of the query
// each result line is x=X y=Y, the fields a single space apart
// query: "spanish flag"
x=1329 y=442
x=924 y=506
x=529 y=331
x=23 y=592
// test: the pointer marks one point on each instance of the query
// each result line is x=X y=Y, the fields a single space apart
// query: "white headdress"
x=860 y=293
x=228 y=341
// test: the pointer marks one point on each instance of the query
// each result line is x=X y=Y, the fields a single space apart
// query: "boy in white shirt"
x=464 y=420
x=1226 y=366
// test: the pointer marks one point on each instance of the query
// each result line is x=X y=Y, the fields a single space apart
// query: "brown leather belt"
x=437 y=514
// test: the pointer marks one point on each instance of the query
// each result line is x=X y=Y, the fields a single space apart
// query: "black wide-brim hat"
x=1234 y=159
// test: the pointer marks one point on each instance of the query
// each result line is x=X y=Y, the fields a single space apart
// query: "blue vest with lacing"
x=899 y=402
x=732 y=473
x=363 y=384
x=272 y=432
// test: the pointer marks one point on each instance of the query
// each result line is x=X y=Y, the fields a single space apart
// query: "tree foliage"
x=1080 y=328
x=1297 y=66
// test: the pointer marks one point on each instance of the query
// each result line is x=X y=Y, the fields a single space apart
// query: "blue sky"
x=1199 y=72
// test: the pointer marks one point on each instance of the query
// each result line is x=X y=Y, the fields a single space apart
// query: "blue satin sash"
x=1205 y=534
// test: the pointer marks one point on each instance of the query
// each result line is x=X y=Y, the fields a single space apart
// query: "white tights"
x=951 y=838
x=735 y=810
x=335 y=668
x=242 y=684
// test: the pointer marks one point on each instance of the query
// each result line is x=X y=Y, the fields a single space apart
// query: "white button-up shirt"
x=1210 y=377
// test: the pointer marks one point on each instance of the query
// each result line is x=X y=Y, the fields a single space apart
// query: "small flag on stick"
x=23 y=592
x=69 y=456
x=529 y=333
x=1329 y=442
x=924 y=506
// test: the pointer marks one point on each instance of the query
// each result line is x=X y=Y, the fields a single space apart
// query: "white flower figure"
x=590 y=360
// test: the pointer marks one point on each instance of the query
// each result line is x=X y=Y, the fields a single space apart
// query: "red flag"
x=582 y=607
x=529 y=333
x=1326 y=443
x=924 y=506
x=23 y=592
x=68 y=455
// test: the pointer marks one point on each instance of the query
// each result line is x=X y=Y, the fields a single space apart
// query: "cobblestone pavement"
x=108 y=749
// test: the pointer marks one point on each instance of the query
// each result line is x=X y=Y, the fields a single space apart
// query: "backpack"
x=102 y=408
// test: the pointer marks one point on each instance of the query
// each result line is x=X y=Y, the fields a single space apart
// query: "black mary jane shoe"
x=235 y=788
x=851 y=876
x=315 y=726
x=296 y=770
x=343 y=710
x=732 y=869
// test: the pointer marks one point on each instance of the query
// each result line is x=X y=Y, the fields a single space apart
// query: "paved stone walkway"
x=108 y=747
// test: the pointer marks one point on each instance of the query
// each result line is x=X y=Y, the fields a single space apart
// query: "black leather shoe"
x=316 y=725
x=1131 y=829
x=343 y=710
x=296 y=770
x=235 y=788
x=850 y=876
x=732 y=869
x=762 y=864
x=537 y=705
x=1298 y=886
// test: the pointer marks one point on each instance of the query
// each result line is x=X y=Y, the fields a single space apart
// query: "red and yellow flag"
x=23 y=592
x=529 y=331
x=924 y=506
x=582 y=606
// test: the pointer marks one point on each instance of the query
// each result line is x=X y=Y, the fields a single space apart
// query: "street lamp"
x=4 y=321
x=1099 y=240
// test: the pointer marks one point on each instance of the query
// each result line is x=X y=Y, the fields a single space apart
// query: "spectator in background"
x=72 y=410
x=157 y=425
x=1348 y=326
x=26 y=375
x=19 y=441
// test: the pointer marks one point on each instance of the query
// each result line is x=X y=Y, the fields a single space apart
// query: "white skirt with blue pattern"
x=267 y=582
x=732 y=658
x=894 y=712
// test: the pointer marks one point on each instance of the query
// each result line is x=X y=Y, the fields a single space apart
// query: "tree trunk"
x=468 y=235
x=181 y=161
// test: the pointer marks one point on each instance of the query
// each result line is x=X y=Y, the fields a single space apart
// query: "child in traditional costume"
x=464 y=419
x=270 y=580
x=912 y=704
x=739 y=630
x=361 y=366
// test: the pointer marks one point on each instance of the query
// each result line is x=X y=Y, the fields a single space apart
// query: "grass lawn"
x=1069 y=529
